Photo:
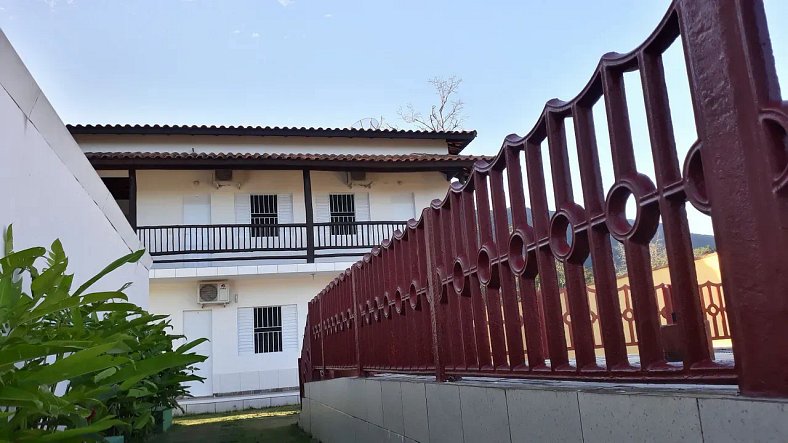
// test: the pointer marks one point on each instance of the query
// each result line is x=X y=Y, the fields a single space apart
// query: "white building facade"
x=246 y=224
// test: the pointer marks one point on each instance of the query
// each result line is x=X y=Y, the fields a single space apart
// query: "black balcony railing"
x=191 y=243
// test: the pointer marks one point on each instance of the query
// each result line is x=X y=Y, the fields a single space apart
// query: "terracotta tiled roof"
x=371 y=162
x=392 y=158
x=456 y=140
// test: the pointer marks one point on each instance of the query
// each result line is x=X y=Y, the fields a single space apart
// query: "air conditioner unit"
x=355 y=177
x=224 y=177
x=213 y=292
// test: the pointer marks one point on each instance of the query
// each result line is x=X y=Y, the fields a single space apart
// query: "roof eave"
x=455 y=140
x=452 y=167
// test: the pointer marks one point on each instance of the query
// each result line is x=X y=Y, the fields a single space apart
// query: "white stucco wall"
x=49 y=190
x=232 y=372
x=279 y=145
x=160 y=193
x=387 y=191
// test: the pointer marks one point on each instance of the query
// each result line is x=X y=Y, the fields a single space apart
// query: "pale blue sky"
x=332 y=62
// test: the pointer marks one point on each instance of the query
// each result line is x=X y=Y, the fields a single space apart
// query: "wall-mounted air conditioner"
x=355 y=178
x=213 y=292
x=225 y=177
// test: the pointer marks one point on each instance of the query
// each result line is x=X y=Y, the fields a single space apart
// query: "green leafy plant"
x=76 y=365
x=150 y=388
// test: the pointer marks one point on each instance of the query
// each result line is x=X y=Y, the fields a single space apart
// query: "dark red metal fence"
x=460 y=292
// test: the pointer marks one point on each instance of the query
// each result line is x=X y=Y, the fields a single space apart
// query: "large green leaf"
x=130 y=375
x=9 y=240
x=70 y=434
x=13 y=396
x=129 y=258
x=47 y=308
x=83 y=362
x=107 y=307
x=144 y=420
x=56 y=254
x=45 y=281
x=98 y=297
x=138 y=392
x=10 y=354
x=10 y=292
x=186 y=346
x=85 y=394
x=22 y=259
x=104 y=374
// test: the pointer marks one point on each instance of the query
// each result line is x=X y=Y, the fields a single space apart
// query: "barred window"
x=267 y=329
x=343 y=214
x=264 y=212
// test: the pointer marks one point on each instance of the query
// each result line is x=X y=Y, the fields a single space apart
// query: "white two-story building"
x=246 y=224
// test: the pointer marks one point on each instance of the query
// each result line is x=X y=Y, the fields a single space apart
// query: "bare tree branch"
x=384 y=123
x=446 y=115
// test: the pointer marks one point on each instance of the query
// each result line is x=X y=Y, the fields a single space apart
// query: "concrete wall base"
x=231 y=403
x=417 y=409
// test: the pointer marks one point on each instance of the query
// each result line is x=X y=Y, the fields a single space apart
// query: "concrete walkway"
x=277 y=425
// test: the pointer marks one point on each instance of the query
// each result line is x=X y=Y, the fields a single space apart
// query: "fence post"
x=321 y=322
x=434 y=294
x=357 y=323
x=739 y=171
x=300 y=379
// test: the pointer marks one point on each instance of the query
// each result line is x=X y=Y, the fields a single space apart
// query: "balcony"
x=293 y=241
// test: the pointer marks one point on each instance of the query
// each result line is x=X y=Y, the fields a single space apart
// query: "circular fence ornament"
x=695 y=181
x=369 y=313
x=568 y=239
x=459 y=277
x=386 y=305
x=486 y=269
x=378 y=306
x=775 y=121
x=644 y=226
x=521 y=260
x=398 y=302
x=413 y=297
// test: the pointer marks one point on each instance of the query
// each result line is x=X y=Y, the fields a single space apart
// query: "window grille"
x=264 y=212
x=267 y=329
x=343 y=214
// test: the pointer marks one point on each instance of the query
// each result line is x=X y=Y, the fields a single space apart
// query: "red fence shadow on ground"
x=456 y=293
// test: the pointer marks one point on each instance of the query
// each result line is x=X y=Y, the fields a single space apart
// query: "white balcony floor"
x=248 y=270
